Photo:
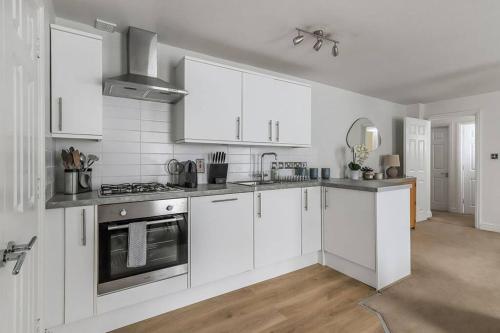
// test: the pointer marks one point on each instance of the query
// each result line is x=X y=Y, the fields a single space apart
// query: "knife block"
x=217 y=173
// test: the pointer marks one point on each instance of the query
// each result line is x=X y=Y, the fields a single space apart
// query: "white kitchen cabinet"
x=366 y=234
x=293 y=108
x=76 y=84
x=79 y=291
x=231 y=105
x=311 y=219
x=277 y=225
x=221 y=236
x=260 y=109
x=212 y=109
x=276 y=111
x=350 y=229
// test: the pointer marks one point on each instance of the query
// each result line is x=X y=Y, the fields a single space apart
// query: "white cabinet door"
x=259 y=108
x=293 y=124
x=221 y=236
x=79 y=270
x=212 y=110
x=349 y=221
x=277 y=225
x=76 y=83
x=311 y=219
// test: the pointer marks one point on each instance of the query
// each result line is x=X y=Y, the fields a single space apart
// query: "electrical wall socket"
x=200 y=165
x=494 y=156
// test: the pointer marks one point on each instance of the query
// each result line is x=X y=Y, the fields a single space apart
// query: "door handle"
x=326 y=199
x=12 y=247
x=224 y=200
x=259 y=212
x=16 y=253
x=306 y=204
x=238 y=126
x=270 y=130
x=84 y=227
x=60 y=113
x=277 y=131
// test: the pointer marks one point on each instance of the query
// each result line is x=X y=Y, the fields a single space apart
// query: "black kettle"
x=188 y=176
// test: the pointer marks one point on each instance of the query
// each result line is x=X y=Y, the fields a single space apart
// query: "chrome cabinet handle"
x=84 y=227
x=277 y=130
x=238 y=126
x=60 y=114
x=306 y=204
x=259 y=212
x=326 y=199
x=270 y=130
x=125 y=226
x=224 y=200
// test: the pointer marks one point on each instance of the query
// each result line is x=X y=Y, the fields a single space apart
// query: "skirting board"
x=489 y=227
x=132 y=314
x=351 y=269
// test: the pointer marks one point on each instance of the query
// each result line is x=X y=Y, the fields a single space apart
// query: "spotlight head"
x=335 y=50
x=318 y=44
x=298 y=39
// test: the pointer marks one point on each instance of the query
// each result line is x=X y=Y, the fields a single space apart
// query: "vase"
x=355 y=174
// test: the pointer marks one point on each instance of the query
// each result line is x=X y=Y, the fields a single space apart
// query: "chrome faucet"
x=262 y=175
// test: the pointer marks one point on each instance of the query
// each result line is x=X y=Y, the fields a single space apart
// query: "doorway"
x=467 y=169
x=454 y=166
x=439 y=168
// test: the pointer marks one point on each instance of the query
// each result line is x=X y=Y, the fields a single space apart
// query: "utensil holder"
x=84 y=180
x=70 y=181
x=217 y=173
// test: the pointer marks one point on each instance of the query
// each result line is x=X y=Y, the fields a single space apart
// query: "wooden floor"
x=313 y=299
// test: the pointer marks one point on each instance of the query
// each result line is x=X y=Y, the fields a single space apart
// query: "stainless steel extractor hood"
x=141 y=81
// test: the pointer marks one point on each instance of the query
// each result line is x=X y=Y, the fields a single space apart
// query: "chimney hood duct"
x=141 y=81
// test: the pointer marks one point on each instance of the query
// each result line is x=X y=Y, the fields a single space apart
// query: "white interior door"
x=468 y=161
x=417 y=161
x=20 y=165
x=439 y=168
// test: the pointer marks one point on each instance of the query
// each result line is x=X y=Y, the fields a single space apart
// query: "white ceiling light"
x=320 y=38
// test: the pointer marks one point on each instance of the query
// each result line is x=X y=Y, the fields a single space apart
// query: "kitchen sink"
x=255 y=182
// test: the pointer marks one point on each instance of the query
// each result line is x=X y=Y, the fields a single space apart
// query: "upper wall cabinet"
x=76 y=84
x=212 y=109
x=235 y=106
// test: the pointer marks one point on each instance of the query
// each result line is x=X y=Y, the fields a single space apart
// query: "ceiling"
x=403 y=51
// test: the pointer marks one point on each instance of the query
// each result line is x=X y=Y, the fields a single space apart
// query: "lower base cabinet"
x=221 y=236
x=311 y=219
x=277 y=225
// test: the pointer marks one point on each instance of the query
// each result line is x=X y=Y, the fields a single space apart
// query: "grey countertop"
x=92 y=198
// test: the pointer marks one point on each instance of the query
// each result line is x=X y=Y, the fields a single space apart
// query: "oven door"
x=167 y=253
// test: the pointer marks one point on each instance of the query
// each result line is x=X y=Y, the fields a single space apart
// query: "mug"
x=325 y=173
x=313 y=173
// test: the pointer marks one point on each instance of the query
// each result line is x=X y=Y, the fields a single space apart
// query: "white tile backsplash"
x=137 y=145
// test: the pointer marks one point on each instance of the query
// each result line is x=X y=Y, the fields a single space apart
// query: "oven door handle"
x=125 y=226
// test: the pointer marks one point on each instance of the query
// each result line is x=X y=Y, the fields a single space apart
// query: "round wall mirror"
x=363 y=131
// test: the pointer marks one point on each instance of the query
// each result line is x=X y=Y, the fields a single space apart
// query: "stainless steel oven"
x=165 y=235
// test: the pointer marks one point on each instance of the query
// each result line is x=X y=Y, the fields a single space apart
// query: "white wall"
x=489 y=137
x=333 y=111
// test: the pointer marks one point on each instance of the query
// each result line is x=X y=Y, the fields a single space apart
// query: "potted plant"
x=368 y=173
x=359 y=156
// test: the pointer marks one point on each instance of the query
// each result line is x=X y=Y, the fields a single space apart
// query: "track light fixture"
x=298 y=39
x=335 y=50
x=320 y=38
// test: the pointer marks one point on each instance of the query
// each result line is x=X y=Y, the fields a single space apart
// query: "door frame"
x=448 y=126
x=454 y=117
x=460 y=185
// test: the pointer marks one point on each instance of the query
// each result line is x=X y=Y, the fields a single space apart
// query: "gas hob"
x=135 y=188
